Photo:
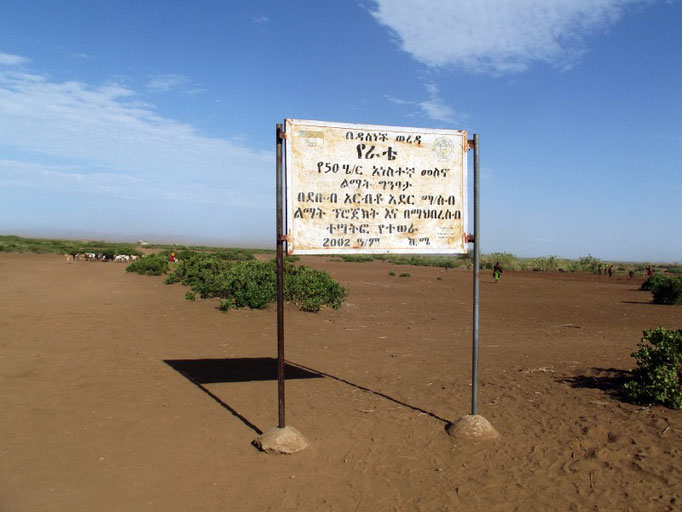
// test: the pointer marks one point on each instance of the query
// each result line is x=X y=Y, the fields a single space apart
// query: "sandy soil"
x=118 y=394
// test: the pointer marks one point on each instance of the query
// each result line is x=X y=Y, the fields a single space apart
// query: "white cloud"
x=433 y=108
x=7 y=59
x=102 y=140
x=171 y=81
x=498 y=36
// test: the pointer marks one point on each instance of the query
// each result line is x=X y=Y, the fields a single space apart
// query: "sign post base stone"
x=473 y=427
x=285 y=440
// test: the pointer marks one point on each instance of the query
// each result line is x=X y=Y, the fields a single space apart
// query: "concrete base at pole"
x=285 y=440
x=473 y=427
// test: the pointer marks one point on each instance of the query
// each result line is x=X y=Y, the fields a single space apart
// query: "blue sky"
x=155 y=120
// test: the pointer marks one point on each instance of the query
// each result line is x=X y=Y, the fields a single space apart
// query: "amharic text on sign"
x=375 y=189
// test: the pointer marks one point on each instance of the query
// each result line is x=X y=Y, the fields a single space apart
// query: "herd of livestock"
x=91 y=256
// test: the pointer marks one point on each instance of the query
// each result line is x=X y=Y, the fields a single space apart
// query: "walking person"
x=497 y=272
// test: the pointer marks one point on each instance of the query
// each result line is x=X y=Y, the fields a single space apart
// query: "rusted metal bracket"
x=282 y=134
x=284 y=238
x=471 y=239
x=471 y=143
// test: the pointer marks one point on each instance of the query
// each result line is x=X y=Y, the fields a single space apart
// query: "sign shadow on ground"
x=245 y=369
x=251 y=369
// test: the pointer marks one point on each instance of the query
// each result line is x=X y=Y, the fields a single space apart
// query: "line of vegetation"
x=178 y=248
x=658 y=376
x=510 y=262
x=242 y=281
x=13 y=243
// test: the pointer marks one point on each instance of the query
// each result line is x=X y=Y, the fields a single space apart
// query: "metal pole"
x=477 y=249
x=280 y=283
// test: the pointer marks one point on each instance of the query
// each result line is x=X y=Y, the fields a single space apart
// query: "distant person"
x=497 y=272
x=610 y=271
x=650 y=271
x=599 y=268
x=172 y=256
x=631 y=274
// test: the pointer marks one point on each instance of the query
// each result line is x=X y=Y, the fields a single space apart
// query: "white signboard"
x=375 y=189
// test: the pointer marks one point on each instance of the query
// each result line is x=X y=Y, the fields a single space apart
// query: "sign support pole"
x=280 y=283
x=477 y=255
x=474 y=426
x=280 y=439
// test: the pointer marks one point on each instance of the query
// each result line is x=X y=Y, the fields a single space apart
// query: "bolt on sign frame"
x=369 y=189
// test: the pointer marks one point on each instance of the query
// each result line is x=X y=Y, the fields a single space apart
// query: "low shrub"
x=585 y=264
x=190 y=296
x=667 y=290
x=658 y=376
x=404 y=274
x=648 y=285
x=151 y=265
x=249 y=283
x=226 y=305
x=391 y=273
x=357 y=258
x=252 y=283
x=310 y=289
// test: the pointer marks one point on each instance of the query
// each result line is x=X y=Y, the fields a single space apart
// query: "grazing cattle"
x=69 y=258
x=122 y=258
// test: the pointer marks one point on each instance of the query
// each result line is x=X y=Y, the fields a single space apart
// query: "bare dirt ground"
x=118 y=394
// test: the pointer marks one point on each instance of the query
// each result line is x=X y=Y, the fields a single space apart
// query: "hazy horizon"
x=208 y=242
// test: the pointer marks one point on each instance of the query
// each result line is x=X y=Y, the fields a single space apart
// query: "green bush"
x=404 y=274
x=357 y=258
x=667 y=290
x=585 y=264
x=310 y=289
x=391 y=273
x=190 y=296
x=658 y=376
x=251 y=283
x=225 y=305
x=649 y=284
x=152 y=265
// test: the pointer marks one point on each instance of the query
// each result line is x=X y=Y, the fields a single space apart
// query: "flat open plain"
x=117 y=394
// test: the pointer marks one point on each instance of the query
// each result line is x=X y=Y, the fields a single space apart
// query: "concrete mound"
x=285 y=440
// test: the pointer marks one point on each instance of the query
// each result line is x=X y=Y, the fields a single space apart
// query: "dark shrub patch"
x=658 y=376
x=667 y=290
x=152 y=265
x=251 y=283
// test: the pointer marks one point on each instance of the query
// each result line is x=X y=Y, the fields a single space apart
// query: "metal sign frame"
x=282 y=237
x=433 y=207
